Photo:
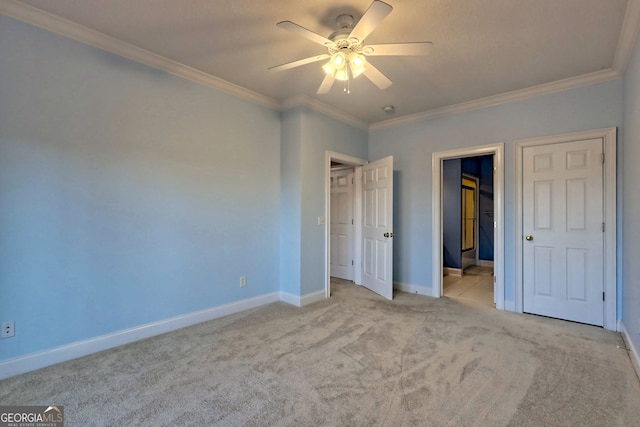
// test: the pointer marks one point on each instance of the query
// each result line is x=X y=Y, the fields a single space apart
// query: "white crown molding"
x=490 y=101
x=321 y=107
x=55 y=24
x=628 y=36
x=34 y=16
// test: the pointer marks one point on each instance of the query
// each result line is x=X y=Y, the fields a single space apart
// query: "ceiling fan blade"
x=376 y=76
x=326 y=84
x=398 y=49
x=300 y=62
x=377 y=11
x=308 y=34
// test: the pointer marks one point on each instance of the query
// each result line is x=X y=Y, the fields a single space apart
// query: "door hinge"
x=603 y=296
x=495 y=169
x=351 y=221
x=351 y=262
x=352 y=180
x=603 y=227
x=602 y=156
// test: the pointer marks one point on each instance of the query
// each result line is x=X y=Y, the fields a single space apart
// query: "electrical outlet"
x=243 y=281
x=8 y=329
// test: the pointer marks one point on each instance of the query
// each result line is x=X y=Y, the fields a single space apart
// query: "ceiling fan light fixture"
x=357 y=64
x=338 y=60
x=356 y=71
x=328 y=68
x=342 y=75
x=346 y=49
x=356 y=60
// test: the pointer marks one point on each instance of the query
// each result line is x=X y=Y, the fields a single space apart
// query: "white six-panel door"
x=563 y=239
x=377 y=226
x=341 y=232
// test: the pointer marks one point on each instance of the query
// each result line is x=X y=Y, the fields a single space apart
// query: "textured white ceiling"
x=481 y=47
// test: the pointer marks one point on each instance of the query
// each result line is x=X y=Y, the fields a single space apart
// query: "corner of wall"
x=634 y=355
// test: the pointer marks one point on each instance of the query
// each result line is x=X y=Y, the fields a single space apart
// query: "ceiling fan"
x=346 y=51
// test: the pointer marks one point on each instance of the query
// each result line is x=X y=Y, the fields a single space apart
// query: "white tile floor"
x=475 y=285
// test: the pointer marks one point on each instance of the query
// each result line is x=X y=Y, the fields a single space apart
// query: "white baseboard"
x=452 y=271
x=290 y=299
x=303 y=300
x=510 y=306
x=314 y=297
x=633 y=352
x=412 y=289
x=31 y=362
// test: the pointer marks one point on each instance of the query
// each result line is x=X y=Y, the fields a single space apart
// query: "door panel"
x=342 y=230
x=563 y=253
x=377 y=231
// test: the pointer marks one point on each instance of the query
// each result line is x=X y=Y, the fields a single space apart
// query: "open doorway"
x=372 y=222
x=342 y=250
x=494 y=216
x=468 y=228
x=342 y=239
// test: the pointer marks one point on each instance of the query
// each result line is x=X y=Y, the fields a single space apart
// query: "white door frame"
x=357 y=216
x=608 y=135
x=498 y=202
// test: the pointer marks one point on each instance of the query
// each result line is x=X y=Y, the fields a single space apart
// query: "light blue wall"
x=631 y=200
x=291 y=202
x=412 y=145
x=309 y=134
x=321 y=133
x=127 y=195
x=130 y=196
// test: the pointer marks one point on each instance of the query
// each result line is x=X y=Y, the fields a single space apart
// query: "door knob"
x=388 y=234
x=529 y=238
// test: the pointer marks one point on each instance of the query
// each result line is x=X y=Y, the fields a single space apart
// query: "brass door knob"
x=529 y=238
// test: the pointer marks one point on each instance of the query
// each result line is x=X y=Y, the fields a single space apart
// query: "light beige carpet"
x=352 y=360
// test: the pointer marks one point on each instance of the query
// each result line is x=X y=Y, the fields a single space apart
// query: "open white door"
x=377 y=227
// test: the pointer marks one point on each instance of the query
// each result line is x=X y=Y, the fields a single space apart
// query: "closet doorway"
x=483 y=218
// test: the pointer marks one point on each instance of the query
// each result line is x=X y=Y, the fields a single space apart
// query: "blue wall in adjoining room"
x=128 y=195
x=485 y=207
x=452 y=217
x=480 y=167
x=412 y=145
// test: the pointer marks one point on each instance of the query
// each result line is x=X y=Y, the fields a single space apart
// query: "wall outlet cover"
x=8 y=329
